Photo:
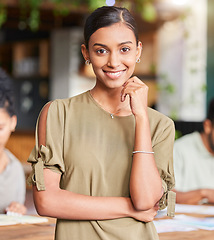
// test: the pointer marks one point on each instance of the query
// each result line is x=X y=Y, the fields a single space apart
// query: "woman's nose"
x=113 y=60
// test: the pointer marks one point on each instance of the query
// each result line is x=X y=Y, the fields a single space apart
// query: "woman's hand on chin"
x=138 y=94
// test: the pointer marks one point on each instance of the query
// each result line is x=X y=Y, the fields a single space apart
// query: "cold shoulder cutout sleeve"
x=51 y=155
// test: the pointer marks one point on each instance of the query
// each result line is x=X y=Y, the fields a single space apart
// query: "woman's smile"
x=114 y=74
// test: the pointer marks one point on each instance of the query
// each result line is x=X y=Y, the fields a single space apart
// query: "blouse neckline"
x=103 y=110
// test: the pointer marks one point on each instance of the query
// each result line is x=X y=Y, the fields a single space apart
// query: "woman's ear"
x=13 y=123
x=139 y=49
x=85 y=52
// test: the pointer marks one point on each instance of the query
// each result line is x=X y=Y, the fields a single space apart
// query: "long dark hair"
x=106 y=16
x=6 y=93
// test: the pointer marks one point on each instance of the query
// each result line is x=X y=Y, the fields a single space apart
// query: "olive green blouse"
x=93 y=154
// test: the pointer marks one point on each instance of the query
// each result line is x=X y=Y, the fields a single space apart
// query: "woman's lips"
x=114 y=74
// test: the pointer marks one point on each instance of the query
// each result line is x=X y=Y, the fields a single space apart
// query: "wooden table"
x=45 y=231
x=38 y=231
x=193 y=235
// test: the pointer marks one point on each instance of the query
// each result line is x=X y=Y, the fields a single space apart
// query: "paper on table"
x=161 y=213
x=186 y=208
x=202 y=223
x=184 y=223
x=169 y=225
x=199 y=209
x=12 y=220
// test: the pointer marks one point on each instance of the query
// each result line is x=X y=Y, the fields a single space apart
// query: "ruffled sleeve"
x=163 y=141
x=51 y=155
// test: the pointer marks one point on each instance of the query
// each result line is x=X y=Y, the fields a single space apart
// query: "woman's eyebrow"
x=103 y=45
x=127 y=42
x=99 y=44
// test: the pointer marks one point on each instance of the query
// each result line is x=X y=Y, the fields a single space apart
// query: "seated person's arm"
x=16 y=207
x=195 y=196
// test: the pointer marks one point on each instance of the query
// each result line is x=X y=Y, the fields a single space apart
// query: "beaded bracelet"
x=142 y=152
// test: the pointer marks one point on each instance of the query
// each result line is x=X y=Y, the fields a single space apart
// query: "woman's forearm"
x=68 y=205
x=145 y=181
x=63 y=204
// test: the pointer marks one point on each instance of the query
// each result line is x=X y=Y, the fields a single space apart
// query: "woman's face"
x=7 y=125
x=113 y=53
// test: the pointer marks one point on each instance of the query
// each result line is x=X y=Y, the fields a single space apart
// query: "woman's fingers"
x=137 y=91
x=134 y=80
x=132 y=86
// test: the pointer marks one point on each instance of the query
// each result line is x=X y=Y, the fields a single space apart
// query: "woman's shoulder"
x=10 y=155
x=59 y=108
x=157 y=117
x=189 y=139
x=162 y=127
x=13 y=159
x=66 y=102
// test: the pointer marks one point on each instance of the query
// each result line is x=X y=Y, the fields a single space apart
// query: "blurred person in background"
x=12 y=177
x=194 y=164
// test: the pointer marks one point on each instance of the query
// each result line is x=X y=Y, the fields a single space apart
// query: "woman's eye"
x=125 y=49
x=101 y=51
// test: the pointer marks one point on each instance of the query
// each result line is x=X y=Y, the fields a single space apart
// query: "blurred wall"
x=210 y=51
x=182 y=64
x=66 y=78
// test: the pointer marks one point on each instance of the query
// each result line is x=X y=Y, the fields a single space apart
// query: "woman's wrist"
x=142 y=134
x=141 y=116
x=128 y=210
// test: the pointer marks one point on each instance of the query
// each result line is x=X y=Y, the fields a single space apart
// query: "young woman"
x=103 y=159
x=12 y=178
